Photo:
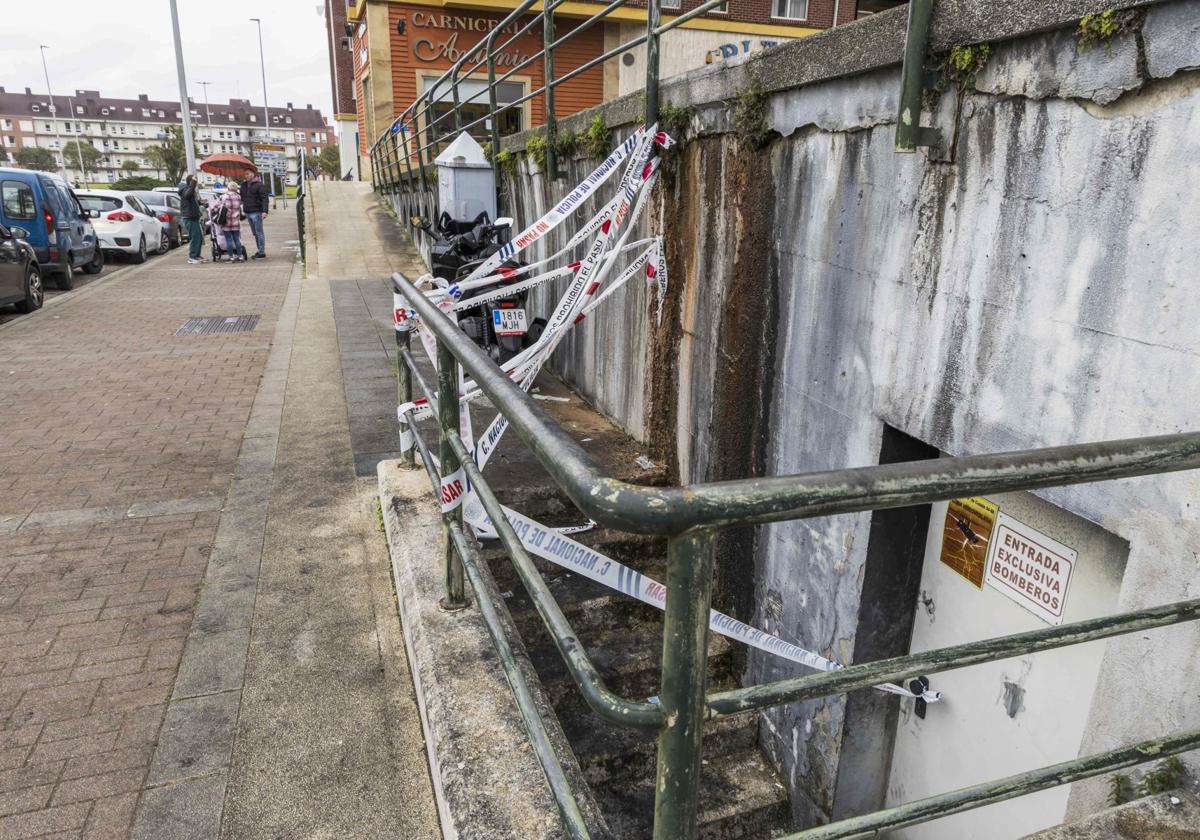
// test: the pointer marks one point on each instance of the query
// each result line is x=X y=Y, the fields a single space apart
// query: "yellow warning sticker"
x=966 y=536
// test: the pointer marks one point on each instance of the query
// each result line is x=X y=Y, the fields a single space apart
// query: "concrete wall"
x=1033 y=282
x=681 y=50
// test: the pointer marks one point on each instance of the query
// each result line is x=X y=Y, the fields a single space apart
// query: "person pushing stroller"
x=225 y=217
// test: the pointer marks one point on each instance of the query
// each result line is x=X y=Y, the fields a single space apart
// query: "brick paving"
x=118 y=442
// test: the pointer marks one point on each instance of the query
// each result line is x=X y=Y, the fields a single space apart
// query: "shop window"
x=475 y=107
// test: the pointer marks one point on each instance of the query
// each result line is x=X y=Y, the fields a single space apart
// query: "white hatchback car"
x=124 y=224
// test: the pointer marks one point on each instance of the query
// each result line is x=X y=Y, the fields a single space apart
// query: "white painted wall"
x=681 y=50
x=1004 y=717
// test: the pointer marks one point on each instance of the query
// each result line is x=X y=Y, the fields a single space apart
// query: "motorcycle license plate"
x=509 y=321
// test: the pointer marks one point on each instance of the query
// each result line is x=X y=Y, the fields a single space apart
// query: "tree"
x=171 y=156
x=139 y=182
x=35 y=157
x=75 y=149
x=330 y=161
x=4 y=156
x=129 y=167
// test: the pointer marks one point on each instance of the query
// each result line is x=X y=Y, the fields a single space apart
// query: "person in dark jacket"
x=256 y=202
x=190 y=213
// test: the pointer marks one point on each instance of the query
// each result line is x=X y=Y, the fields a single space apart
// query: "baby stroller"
x=219 y=248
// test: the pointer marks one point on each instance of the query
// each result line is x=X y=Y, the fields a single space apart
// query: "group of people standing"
x=249 y=201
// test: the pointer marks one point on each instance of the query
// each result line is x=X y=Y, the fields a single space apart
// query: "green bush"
x=676 y=121
x=536 y=147
x=1102 y=27
x=139 y=182
x=566 y=145
x=962 y=64
x=749 y=116
x=597 y=140
x=507 y=162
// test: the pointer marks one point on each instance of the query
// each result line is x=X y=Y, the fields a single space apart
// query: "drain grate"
x=218 y=324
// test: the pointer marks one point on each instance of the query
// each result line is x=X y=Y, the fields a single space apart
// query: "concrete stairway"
x=741 y=796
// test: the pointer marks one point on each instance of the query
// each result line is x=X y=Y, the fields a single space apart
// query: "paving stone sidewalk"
x=145 y=571
x=119 y=441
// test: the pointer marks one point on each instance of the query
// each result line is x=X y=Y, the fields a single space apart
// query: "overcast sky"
x=125 y=48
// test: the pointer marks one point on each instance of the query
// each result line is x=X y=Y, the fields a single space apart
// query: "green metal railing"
x=401 y=162
x=690 y=516
x=402 y=155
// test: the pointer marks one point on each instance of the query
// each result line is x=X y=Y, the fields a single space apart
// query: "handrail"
x=1019 y=784
x=674 y=510
x=675 y=716
x=568 y=808
x=691 y=515
x=901 y=668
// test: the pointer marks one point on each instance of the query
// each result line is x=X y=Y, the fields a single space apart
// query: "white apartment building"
x=123 y=129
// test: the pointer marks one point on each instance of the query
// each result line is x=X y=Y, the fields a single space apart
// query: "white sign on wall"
x=1030 y=568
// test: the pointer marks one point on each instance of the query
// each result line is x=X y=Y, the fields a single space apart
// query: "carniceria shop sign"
x=440 y=40
x=1030 y=568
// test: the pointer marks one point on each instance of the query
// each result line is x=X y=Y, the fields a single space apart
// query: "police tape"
x=458 y=290
x=578 y=300
x=554 y=545
x=555 y=216
x=636 y=183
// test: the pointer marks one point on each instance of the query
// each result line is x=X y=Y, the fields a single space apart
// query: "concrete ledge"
x=486 y=778
x=1167 y=816
x=874 y=43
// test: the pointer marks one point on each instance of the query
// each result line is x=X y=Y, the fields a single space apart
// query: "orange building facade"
x=401 y=47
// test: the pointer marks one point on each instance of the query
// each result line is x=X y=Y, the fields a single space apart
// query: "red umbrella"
x=228 y=165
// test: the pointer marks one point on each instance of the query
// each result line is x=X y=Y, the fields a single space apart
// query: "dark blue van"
x=60 y=230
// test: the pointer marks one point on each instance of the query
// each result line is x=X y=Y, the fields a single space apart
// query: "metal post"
x=207 y=111
x=404 y=393
x=185 y=106
x=421 y=159
x=62 y=156
x=653 y=15
x=497 y=175
x=909 y=132
x=454 y=95
x=551 y=124
x=79 y=143
x=455 y=598
x=262 y=63
x=684 y=669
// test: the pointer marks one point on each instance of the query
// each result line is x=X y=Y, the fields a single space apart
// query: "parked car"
x=167 y=208
x=124 y=224
x=20 y=275
x=60 y=232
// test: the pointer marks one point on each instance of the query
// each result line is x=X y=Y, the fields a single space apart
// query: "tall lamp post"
x=62 y=156
x=207 y=113
x=185 y=105
x=266 y=112
x=78 y=144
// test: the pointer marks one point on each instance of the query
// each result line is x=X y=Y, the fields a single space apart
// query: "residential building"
x=341 y=77
x=399 y=48
x=123 y=129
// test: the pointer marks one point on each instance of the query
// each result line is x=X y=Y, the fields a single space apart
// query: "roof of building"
x=145 y=109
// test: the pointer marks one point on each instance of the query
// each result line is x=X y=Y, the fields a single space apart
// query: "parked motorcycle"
x=461 y=242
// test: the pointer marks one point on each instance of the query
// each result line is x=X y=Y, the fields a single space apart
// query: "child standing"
x=231 y=209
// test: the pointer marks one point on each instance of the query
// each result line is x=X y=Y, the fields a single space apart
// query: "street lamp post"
x=78 y=145
x=266 y=112
x=185 y=107
x=62 y=157
x=207 y=113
